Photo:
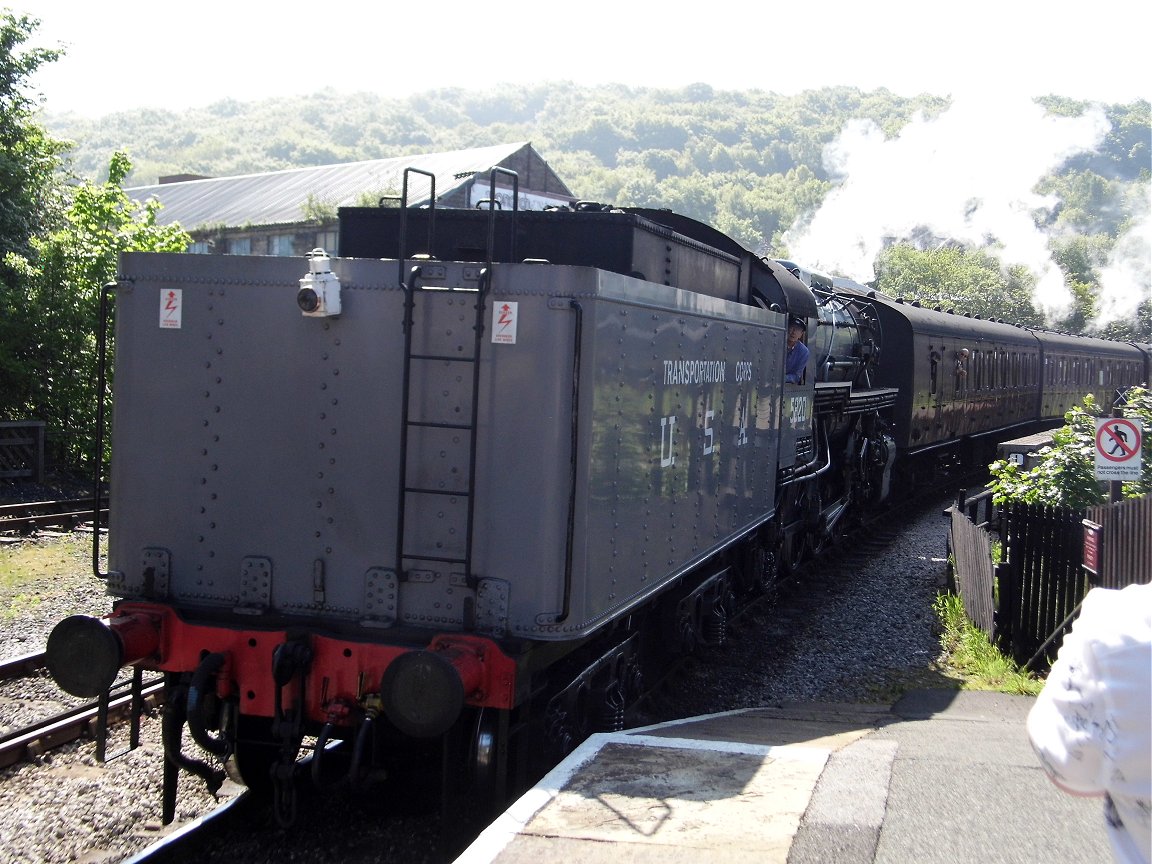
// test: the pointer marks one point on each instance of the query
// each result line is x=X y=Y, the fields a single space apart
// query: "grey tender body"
x=255 y=472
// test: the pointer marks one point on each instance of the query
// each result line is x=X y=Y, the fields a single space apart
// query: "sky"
x=124 y=54
x=969 y=174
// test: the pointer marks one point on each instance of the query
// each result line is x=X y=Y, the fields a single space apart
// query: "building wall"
x=537 y=183
x=284 y=240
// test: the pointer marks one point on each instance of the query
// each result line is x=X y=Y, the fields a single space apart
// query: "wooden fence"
x=1041 y=581
x=1026 y=603
x=22 y=450
x=1125 y=542
x=972 y=569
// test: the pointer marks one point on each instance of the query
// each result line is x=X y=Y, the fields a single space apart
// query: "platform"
x=940 y=776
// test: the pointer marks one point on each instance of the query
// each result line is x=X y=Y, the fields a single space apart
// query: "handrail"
x=98 y=456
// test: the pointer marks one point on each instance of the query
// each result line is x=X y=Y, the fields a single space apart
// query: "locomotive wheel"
x=818 y=539
x=799 y=512
x=794 y=550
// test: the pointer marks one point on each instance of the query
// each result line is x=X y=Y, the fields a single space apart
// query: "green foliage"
x=51 y=372
x=29 y=157
x=1065 y=473
x=29 y=189
x=969 y=652
x=953 y=278
x=317 y=210
x=1125 y=153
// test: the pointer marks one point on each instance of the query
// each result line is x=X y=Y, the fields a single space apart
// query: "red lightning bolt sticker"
x=171 y=307
x=504 y=318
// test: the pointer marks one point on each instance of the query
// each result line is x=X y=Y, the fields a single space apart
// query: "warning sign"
x=504 y=319
x=1118 y=443
x=171 y=308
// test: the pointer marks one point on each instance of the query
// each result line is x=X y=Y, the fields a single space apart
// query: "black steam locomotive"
x=449 y=497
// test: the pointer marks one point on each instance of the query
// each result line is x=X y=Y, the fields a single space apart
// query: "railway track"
x=66 y=513
x=185 y=843
x=83 y=721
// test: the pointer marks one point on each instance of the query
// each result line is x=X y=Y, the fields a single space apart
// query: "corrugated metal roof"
x=279 y=197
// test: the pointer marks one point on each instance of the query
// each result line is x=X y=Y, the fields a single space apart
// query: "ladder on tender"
x=439 y=408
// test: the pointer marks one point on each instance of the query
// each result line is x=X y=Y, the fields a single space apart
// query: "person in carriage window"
x=797 y=360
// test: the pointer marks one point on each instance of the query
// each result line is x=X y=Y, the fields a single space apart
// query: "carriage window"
x=934 y=360
x=960 y=371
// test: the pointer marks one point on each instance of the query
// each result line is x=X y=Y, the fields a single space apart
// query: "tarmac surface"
x=940 y=776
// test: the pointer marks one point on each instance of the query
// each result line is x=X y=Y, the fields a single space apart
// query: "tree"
x=954 y=278
x=53 y=370
x=28 y=156
x=1064 y=476
x=29 y=190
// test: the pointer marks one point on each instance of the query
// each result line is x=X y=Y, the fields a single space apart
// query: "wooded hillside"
x=756 y=165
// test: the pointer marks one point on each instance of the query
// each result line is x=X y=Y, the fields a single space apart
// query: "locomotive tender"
x=452 y=495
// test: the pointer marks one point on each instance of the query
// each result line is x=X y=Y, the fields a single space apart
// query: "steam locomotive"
x=449 y=497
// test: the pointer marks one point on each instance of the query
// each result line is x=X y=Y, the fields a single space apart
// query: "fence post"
x=1007 y=607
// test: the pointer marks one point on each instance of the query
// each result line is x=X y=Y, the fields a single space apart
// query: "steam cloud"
x=1127 y=278
x=968 y=176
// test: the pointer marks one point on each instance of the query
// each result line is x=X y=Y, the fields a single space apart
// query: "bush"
x=1065 y=473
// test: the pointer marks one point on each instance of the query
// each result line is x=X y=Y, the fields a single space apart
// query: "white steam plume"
x=1126 y=280
x=967 y=175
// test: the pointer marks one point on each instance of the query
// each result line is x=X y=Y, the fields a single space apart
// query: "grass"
x=971 y=658
x=29 y=569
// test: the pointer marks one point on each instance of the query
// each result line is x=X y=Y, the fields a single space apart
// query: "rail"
x=83 y=721
x=25 y=517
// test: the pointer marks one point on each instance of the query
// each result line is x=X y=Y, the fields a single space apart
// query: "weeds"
x=968 y=653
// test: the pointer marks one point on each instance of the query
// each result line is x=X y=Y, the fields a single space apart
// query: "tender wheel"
x=484 y=753
x=255 y=753
x=475 y=783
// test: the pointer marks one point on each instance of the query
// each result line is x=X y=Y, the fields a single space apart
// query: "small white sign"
x=505 y=315
x=1118 y=443
x=171 y=308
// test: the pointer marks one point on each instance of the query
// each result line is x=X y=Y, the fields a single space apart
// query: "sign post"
x=1092 y=550
x=1118 y=443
